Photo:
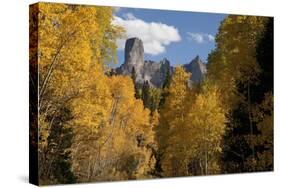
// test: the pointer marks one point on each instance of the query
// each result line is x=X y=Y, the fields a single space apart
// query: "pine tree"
x=165 y=87
x=133 y=75
x=56 y=159
x=145 y=94
x=154 y=98
x=137 y=86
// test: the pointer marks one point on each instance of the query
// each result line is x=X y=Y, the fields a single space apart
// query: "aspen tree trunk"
x=50 y=69
x=201 y=167
x=206 y=152
x=250 y=121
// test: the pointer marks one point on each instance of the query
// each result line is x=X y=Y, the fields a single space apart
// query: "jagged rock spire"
x=155 y=73
x=134 y=51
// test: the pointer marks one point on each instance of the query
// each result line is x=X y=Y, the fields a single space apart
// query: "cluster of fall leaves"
x=92 y=127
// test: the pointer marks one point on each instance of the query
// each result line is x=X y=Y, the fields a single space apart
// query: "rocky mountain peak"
x=134 y=51
x=197 y=59
x=197 y=68
x=165 y=61
x=155 y=73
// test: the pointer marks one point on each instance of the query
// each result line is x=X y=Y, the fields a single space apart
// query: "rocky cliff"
x=134 y=57
x=155 y=72
x=197 y=68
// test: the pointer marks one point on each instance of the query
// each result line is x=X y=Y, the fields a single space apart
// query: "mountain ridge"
x=155 y=72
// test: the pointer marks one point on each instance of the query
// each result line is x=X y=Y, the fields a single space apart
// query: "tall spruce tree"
x=138 y=89
x=56 y=161
x=165 y=87
x=145 y=94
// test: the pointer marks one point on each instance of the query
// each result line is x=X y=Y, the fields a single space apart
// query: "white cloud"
x=200 y=37
x=155 y=36
x=129 y=16
x=211 y=37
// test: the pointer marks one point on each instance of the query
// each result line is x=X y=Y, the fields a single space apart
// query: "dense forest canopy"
x=95 y=126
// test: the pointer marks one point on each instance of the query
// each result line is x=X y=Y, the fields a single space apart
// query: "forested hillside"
x=96 y=126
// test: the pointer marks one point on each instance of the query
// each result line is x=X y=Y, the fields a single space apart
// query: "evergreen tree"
x=137 y=86
x=167 y=81
x=145 y=94
x=133 y=75
x=56 y=161
x=154 y=98
x=165 y=87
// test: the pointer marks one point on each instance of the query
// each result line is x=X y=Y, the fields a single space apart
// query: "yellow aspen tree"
x=133 y=120
x=74 y=43
x=171 y=128
x=118 y=149
x=234 y=58
x=234 y=68
x=207 y=122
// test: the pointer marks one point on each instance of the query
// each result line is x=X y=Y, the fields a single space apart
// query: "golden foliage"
x=234 y=58
x=115 y=137
x=121 y=140
x=191 y=128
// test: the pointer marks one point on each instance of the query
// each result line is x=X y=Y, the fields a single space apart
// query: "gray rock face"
x=134 y=57
x=134 y=51
x=154 y=72
x=197 y=68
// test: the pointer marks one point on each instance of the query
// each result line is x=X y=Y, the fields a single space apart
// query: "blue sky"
x=176 y=35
